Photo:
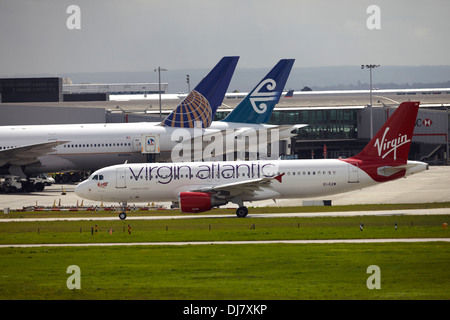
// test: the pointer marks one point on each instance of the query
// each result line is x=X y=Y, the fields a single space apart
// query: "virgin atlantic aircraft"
x=200 y=186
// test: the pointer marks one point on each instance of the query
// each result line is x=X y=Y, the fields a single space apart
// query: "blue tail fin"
x=289 y=94
x=258 y=105
x=202 y=103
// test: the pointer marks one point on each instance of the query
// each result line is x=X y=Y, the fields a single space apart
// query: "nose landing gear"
x=123 y=214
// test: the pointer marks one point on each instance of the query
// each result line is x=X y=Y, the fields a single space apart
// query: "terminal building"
x=343 y=131
x=113 y=88
x=31 y=90
x=54 y=89
x=338 y=122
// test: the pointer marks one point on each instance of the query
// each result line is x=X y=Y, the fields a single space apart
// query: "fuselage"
x=164 y=182
x=93 y=146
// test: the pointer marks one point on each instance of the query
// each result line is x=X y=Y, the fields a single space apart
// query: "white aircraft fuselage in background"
x=93 y=146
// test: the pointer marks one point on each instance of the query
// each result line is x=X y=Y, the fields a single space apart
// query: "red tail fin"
x=389 y=148
x=393 y=140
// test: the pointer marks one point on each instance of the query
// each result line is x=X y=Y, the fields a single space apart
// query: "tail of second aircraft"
x=200 y=106
x=386 y=156
x=258 y=105
x=289 y=94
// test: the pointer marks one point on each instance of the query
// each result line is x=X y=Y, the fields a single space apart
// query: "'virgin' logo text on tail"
x=387 y=146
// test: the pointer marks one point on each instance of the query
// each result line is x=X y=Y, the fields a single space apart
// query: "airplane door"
x=137 y=144
x=121 y=178
x=353 y=173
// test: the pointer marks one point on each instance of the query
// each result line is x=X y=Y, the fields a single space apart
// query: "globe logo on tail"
x=195 y=108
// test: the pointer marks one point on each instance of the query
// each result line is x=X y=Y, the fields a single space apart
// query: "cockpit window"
x=97 y=177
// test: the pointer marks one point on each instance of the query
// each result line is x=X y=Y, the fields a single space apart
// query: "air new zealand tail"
x=258 y=105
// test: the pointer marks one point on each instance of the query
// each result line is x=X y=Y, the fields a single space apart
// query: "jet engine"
x=193 y=202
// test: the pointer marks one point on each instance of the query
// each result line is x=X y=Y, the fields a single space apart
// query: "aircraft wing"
x=24 y=155
x=284 y=130
x=235 y=189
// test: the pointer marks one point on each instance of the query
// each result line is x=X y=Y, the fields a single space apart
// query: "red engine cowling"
x=194 y=202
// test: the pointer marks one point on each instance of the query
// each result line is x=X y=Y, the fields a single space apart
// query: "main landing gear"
x=242 y=212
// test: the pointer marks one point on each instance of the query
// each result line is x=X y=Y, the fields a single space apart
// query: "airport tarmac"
x=432 y=185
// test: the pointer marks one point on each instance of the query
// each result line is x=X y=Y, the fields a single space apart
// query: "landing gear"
x=242 y=212
x=123 y=214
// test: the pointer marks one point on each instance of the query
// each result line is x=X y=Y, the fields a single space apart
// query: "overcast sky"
x=138 y=35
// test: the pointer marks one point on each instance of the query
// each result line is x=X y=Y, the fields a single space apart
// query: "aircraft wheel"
x=242 y=212
x=122 y=216
x=39 y=186
x=28 y=186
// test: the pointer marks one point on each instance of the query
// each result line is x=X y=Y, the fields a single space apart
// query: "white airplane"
x=26 y=150
x=200 y=186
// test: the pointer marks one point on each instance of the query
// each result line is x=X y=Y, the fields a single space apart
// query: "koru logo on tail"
x=263 y=97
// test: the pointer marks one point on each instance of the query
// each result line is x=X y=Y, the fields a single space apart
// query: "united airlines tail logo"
x=259 y=98
x=385 y=146
x=193 y=109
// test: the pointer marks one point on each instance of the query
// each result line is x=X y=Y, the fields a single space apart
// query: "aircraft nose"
x=82 y=189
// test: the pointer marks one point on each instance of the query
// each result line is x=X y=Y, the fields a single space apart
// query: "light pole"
x=448 y=132
x=370 y=66
x=159 y=69
x=188 y=81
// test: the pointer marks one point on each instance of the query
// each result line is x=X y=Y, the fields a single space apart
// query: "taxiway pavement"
x=326 y=241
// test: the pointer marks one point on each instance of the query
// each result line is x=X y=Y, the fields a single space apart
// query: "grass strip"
x=275 y=271
x=221 y=229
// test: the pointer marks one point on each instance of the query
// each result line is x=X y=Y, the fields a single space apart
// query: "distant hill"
x=317 y=78
x=383 y=77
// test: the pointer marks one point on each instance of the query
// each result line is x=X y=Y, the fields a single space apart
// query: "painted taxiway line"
x=437 y=211
x=184 y=243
